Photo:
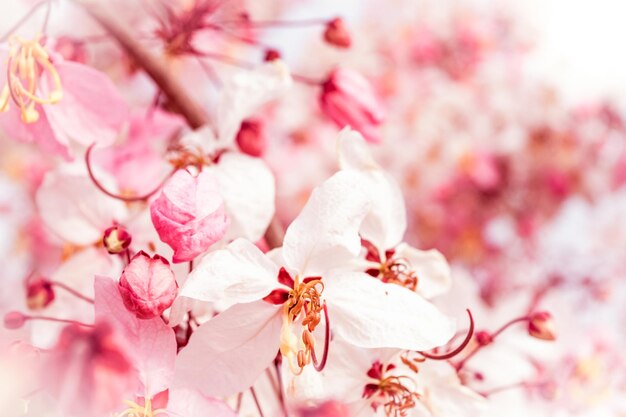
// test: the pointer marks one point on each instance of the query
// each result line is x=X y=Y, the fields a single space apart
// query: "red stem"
x=256 y=402
x=459 y=349
x=72 y=291
x=320 y=366
x=495 y=334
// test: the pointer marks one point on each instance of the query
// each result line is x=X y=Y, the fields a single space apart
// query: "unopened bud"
x=272 y=55
x=336 y=34
x=14 y=320
x=541 y=326
x=251 y=138
x=116 y=239
x=147 y=285
x=39 y=293
x=483 y=338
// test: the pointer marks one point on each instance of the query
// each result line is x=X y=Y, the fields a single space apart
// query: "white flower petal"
x=326 y=233
x=228 y=353
x=353 y=152
x=245 y=92
x=248 y=189
x=385 y=225
x=431 y=268
x=369 y=313
x=239 y=273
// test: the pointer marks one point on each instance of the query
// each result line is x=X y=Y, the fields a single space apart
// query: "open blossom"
x=88 y=370
x=147 y=285
x=281 y=306
x=189 y=214
x=349 y=100
x=56 y=103
x=387 y=257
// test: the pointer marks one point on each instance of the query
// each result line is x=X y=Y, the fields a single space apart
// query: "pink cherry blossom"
x=148 y=285
x=65 y=103
x=189 y=214
x=89 y=370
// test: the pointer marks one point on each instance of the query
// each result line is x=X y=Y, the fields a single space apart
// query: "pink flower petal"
x=228 y=353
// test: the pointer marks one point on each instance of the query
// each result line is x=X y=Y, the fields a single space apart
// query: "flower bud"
x=39 y=293
x=251 y=138
x=349 y=100
x=116 y=239
x=336 y=33
x=189 y=215
x=14 y=320
x=541 y=326
x=272 y=55
x=483 y=338
x=148 y=285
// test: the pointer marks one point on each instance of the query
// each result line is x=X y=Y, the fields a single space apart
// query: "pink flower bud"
x=541 y=326
x=39 y=293
x=272 y=55
x=116 y=239
x=189 y=214
x=349 y=100
x=337 y=34
x=148 y=285
x=14 y=320
x=251 y=138
x=483 y=338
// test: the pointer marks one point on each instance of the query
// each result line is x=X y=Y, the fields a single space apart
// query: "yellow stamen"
x=28 y=61
x=305 y=298
x=136 y=410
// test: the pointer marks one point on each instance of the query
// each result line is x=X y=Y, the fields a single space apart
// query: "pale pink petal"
x=248 y=188
x=353 y=152
x=91 y=110
x=185 y=402
x=326 y=233
x=385 y=224
x=228 y=353
x=39 y=133
x=73 y=208
x=77 y=272
x=431 y=268
x=245 y=92
x=369 y=313
x=239 y=273
x=151 y=342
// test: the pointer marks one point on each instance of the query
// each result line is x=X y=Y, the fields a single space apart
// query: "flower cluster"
x=193 y=227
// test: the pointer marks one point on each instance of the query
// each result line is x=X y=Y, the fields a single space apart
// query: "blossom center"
x=136 y=410
x=303 y=306
x=392 y=392
x=28 y=61
x=390 y=268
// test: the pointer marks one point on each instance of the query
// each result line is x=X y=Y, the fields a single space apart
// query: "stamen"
x=136 y=410
x=459 y=349
x=304 y=303
x=393 y=391
x=28 y=61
